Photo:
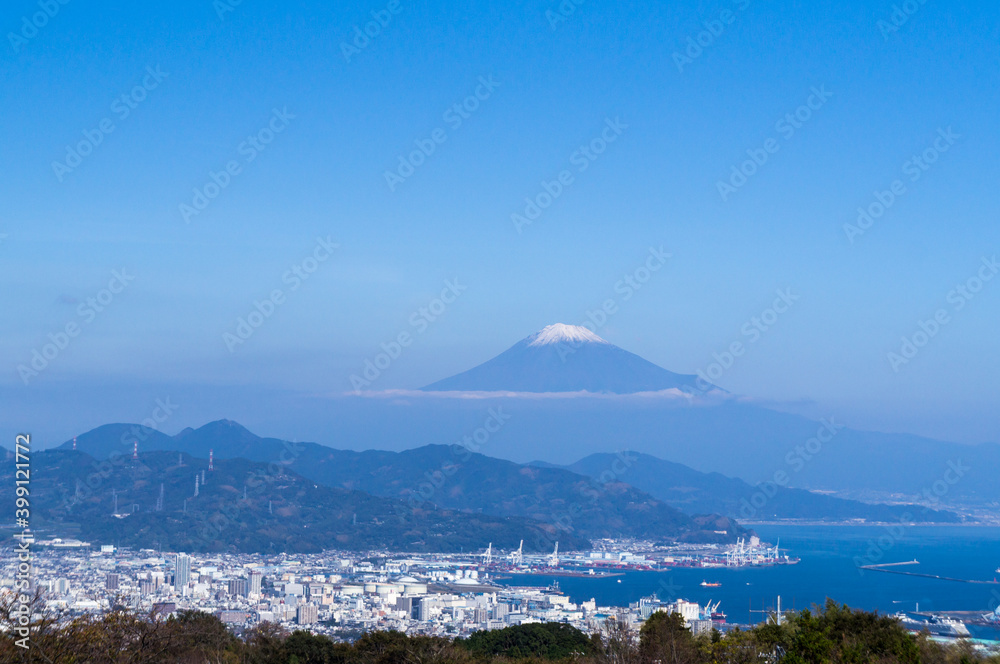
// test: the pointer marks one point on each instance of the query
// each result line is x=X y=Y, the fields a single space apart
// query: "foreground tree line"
x=831 y=634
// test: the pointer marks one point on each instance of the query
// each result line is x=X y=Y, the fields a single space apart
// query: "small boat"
x=713 y=584
x=619 y=580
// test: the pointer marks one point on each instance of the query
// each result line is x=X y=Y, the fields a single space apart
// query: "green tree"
x=664 y=638
x=545 y=640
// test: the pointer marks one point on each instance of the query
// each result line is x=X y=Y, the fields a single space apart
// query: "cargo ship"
x=936 y=625
x=558 y=571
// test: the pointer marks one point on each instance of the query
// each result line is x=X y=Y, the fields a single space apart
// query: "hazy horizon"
x=267 y=161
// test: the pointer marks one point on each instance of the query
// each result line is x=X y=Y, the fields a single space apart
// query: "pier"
x=882 y=567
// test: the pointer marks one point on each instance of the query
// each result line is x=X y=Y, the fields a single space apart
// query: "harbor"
x=827 y=569
x=632 y=556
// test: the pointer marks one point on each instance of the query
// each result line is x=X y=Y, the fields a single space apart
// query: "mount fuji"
x=565 y=358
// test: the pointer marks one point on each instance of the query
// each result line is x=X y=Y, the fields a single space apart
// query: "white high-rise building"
x=182 y=570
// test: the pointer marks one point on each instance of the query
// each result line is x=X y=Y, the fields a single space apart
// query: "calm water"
x=827 y=570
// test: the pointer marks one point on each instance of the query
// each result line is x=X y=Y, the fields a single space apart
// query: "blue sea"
x=827 y=569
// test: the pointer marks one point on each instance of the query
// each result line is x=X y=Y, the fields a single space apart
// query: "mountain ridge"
x=712 y=432
x=566 y=358
x=690 y=490
x=447 y=477
x=455 y=477
x=243 y=506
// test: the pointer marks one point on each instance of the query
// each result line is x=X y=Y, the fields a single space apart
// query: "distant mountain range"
x=566 y=358
x=577 y=394
x=625 y=495
x=448 y=477
x=244 y=506
x=565 y=393
x=693 y=491
x=455 y=478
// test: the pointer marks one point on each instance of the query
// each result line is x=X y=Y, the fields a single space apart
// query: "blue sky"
x=344 y=124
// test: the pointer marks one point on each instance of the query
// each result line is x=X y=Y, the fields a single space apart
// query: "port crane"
x=743 y=553
x=517 y=557
x=488 y=555
x=554 y=558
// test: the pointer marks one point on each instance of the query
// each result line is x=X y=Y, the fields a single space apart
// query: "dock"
x=882 y=567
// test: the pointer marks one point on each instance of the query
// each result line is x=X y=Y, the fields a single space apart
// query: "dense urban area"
x=339 y=594
x=377 y=606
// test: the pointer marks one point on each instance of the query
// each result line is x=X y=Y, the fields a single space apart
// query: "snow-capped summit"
x=562 y=333
x=566 y=358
